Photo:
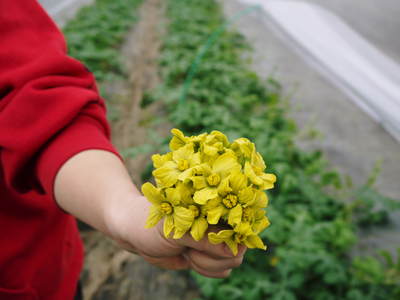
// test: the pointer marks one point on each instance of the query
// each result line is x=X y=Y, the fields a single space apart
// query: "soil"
x=109 y=272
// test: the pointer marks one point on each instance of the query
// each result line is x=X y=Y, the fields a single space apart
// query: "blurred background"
x=335 y=206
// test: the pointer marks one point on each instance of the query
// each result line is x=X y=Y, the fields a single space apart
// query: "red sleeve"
x=50 y=108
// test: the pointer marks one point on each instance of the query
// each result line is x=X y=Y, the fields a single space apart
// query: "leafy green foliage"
x=380 y=279
x=313 y=227
x=94 y=36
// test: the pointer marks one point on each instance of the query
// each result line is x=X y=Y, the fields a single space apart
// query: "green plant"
x=313 y=224
x=94 y=36
x=314 y=218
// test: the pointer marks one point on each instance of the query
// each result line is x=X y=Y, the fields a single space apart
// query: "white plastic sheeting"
x=63 y=10
x=365 y=74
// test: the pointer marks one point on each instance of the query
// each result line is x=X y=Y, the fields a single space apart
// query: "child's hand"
x=95 y=187
x=127 y=227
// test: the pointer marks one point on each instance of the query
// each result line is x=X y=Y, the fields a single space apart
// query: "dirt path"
x=141 y=52
x=111 y=273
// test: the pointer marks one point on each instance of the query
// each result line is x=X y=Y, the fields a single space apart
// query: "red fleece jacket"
x=50 y=110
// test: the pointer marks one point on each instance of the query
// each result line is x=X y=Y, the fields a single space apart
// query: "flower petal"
x=173 y=196
x=178 y=233
x=203 y=169
x=212 y=203
x=260 y=225
x=221 y=137
x=249 y=172
x=261 y=199
x=268 y=180
x=220 y=237
x=167 y=174
x=247 y=196
x=202 y=196
x=185 y=175
x=244 y=146
x=259 y=213
x=254 y=241
x=214 y=214
x=225 y=164
x=185 y=192
x=210 y=150
x=223 y=187
x=155 y=215
x=178 y=140
x=152 y=193
x=195 y=159
x=238 y=181
x=235 y=215
x=199 y=182
x=183 y=218
x=244 y=229
x=160 y=160
x=233 y=246
x=168 y=225
x=258 y=161
x=183 y=153
x=199 y=227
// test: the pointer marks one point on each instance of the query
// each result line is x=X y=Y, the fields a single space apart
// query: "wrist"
x=125 y=218
x=88 y=185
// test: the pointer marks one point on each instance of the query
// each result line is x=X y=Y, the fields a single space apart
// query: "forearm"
x=92 y=183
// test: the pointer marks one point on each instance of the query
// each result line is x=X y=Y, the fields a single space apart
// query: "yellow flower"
x=256 y=175
x=214 y=178
x=178 y=140
x=220 y=137
x=176 y=217
x=200 y=224
x=241 y=234
x=253 y=163
x=159 y=160
x=179 y=168
x=254 y=212
x=260 y=221
x=205 y=180
x=243 y=147
x=230 y=207
x=214 y=143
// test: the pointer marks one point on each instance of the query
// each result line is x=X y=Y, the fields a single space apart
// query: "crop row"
x=314 y=215
x=314 y=222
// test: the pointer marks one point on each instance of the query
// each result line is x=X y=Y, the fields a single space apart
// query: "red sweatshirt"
x=50 y=110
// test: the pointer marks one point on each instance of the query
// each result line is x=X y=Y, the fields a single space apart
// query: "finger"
x=208 y=273
x=217 y=251
x=171 y=262
x=208 y=263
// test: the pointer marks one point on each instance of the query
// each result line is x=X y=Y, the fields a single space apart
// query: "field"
x=176 y=64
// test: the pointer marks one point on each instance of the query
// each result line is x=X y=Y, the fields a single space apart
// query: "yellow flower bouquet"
x=206 y=180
